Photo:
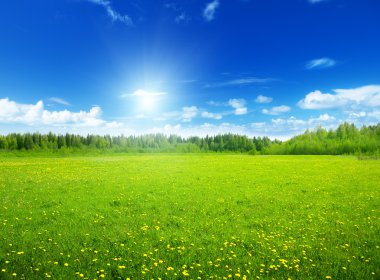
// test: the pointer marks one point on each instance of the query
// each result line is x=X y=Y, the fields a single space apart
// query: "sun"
x=147 y=101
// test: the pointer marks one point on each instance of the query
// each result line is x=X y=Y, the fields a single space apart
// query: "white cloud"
x=374 y=115
x=277 y=110
x=112 y=13
x=144 y=93
x=59 y=101
x=325 y=117
x=200 y=130
x=286 y=128
x=209 y=115
x=281 y=128
x=320 y=63
x=216 y=103
x=188 y=113
x=238 y=105
x=355 y=115
x=362 y=97
x=241 y=111
x=35 y=114
x=241 y=82
x=209 y=11
x=316 y=1
x=182 y=17
x=263 y=99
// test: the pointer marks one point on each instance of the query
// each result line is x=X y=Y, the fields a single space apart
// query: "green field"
x=189 y=216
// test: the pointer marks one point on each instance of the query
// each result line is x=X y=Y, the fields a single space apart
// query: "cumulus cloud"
x=241 y=111
x=320 y=63
x=112 y=13
x=324 y=117
x=277 y=110
x=35 y=114
x=209 y=115
x=280 y=128
x=188 y=113
x=209 y=11
x=285 y=128
x=200 y=130
x=362 y=97
x=263 y=99
x=238 y=105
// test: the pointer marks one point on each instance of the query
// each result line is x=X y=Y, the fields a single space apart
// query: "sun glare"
x=148 y=101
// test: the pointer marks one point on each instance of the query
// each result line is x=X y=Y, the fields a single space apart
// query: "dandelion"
x=66 y=264
x=328 y=277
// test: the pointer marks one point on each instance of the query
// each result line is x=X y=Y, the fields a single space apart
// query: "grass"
x=189 y=216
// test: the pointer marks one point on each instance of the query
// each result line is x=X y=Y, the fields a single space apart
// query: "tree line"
x=346 y=139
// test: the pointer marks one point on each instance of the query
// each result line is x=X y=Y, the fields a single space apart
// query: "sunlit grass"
x=189 y=216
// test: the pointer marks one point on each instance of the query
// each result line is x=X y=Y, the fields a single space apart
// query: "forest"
x=346 y=139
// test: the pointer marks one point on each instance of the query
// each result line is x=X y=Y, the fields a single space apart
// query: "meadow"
x=189 y=216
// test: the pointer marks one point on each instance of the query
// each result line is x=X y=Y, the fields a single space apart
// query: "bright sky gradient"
x=194 y=67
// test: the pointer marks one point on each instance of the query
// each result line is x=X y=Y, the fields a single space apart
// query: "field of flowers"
x=189 y=217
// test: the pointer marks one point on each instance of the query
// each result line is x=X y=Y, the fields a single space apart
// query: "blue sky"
x=252 y=67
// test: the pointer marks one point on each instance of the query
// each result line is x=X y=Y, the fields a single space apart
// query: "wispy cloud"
x=210 y=9
x=277 y=110
x=59 y=101
x=186 y=114
x=216 y=103
x=144 y=93
x=112 y=13
x=189 y=81
x=362 y=97
x=320 y=63
x=239 y=106
x=182 y=17
x=316 y=1
x=241 y=82
x=263 y=99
